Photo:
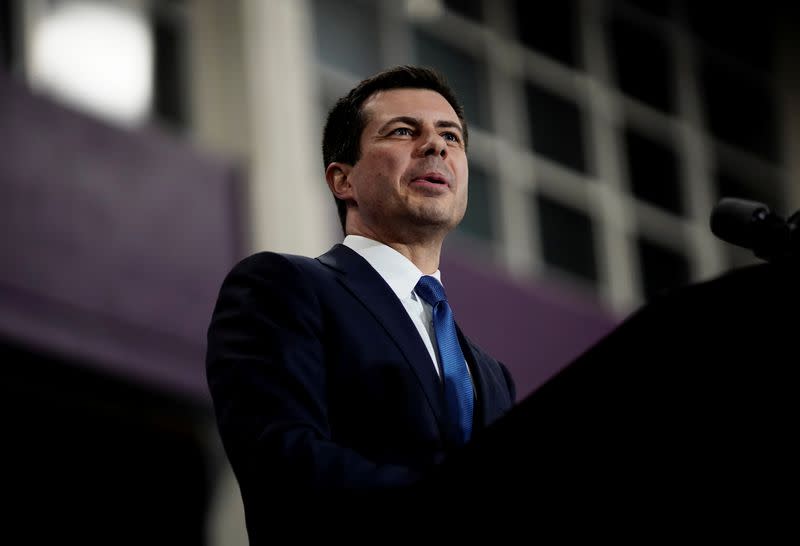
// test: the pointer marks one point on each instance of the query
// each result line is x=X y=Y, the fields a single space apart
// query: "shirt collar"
x=399 y=272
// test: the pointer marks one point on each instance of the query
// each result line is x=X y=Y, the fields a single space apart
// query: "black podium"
x=685 y=414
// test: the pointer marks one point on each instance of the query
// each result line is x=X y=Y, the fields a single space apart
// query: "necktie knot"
x=430 y=290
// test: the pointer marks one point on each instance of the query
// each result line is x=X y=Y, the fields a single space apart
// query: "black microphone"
x=752 y=225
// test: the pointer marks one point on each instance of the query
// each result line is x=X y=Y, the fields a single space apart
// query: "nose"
x=433 y=144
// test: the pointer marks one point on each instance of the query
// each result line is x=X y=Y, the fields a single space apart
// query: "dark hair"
x=341 y=137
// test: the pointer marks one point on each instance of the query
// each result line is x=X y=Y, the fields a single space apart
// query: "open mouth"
x=433 y=179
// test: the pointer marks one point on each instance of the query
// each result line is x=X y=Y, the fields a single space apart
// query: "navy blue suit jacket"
x=320 y=381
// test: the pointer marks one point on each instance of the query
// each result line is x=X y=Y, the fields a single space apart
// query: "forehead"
x=417 y=103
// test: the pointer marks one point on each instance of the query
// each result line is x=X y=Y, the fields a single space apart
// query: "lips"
x=433 y=177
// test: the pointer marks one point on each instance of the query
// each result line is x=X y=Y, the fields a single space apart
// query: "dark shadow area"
x=679 y=421
x=91 y=459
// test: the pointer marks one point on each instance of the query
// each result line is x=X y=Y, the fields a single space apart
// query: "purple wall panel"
x=114 y=243
x=534 y=329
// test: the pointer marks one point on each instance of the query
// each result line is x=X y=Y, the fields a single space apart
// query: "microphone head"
x=733 y=220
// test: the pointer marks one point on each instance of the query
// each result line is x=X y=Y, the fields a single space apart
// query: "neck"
x=423 y=252
x=425 y=257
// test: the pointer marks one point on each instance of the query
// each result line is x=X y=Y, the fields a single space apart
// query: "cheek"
x=464 y=198
x=391 y=167
x=461 y=169
x=464 y=187
x=383 y=167
x=463 y=176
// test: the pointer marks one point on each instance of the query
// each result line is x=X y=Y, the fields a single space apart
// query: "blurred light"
x=96 y=57
x=424 y=10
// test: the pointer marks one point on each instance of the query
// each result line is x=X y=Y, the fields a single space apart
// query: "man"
x=346 y=372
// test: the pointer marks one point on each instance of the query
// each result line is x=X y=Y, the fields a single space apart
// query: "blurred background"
x=148 y=145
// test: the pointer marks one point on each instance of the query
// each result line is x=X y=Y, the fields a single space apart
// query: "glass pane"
x=169 y=100
x=746 y=32
x=7 y=33
x=549 y=28
x=661 y=268
x=346 y=35
x=567 y=238
x=478 y=222
x=661 y=8
x=464 y=74
x=643 y=64
x=472 y=9
x=739 y=111
x=556 y=127
x=653 y=172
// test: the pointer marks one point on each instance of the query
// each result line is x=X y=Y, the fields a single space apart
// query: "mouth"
x=432 y=178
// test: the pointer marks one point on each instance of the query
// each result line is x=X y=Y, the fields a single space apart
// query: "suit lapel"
x=361 y=279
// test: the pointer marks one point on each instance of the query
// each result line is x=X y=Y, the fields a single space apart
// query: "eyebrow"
x=416 y=123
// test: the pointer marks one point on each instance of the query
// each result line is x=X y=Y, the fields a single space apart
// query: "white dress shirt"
x=402 y=276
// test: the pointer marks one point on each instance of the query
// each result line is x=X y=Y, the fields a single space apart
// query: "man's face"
x=411 y=178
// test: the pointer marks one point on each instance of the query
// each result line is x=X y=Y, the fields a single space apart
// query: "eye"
x=452 y=137
x=402 y=131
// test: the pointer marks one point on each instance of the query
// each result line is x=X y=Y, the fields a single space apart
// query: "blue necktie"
x=457 y=382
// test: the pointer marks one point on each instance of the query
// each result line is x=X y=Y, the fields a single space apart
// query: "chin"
x=435 y=223
x=435 y=216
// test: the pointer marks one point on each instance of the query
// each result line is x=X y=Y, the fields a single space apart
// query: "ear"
x=338 y=177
